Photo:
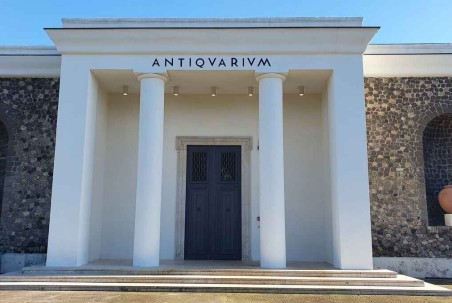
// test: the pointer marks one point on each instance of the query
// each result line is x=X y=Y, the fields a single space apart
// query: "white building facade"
x=115 y=190
x=216 y=139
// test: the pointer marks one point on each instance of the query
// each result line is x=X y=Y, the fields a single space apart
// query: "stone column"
x=271 y=171
x=146 y=246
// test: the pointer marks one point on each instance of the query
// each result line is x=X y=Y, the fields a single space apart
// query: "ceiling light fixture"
x=176 y=90
x=213 y=91
x=301 y=90
x=125 y=90
x=250 y=91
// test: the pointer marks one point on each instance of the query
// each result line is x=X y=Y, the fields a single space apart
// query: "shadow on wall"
x=437 y=146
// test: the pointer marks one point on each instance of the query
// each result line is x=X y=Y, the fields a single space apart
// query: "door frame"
x=246 y=145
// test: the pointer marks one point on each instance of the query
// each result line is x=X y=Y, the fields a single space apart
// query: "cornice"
x=309 y=40
x=29 y=61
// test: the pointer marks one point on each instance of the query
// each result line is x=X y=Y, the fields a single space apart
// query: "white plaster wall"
x=227 y=115
x=328 y=213
x=120 y=178
x=304 y=189
x=97 y=199
x=408 y=65
x=69 y=230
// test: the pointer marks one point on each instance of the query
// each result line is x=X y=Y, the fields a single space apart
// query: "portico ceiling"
x=227 y=82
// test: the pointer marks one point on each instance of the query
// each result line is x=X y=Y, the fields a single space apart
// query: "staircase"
x=220 y=280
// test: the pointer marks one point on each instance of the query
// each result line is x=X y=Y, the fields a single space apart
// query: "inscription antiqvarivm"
x=211 y=62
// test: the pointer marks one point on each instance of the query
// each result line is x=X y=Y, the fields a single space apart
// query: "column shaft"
x=149 y=179
x=271 y=172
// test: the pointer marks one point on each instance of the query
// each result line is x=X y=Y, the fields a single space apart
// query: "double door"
x=213 y=205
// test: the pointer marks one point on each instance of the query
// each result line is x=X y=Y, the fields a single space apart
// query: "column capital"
x=270 y=75
x=151 y=75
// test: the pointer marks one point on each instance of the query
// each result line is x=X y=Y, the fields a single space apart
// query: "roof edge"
x=372 y=49
x=212 y=22
x=15 y=50
x=409 y=49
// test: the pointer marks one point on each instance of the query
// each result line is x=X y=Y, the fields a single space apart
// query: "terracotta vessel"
x=445 y=199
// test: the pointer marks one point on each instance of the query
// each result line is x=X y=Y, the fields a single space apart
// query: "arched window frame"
x=436 y=175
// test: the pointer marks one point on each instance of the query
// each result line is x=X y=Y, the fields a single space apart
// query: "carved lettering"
x=264 y=62
x=169 y=62
x=251 y=62
x=211 y=62
x=200 y=62
x=156 y=63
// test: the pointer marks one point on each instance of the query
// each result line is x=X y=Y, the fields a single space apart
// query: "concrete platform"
x=107 y=265
x=224 y=276
x=219 y=268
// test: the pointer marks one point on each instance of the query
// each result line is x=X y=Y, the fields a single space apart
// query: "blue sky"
x=401 y=21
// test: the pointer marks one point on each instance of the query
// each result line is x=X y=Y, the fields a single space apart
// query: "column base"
x=139 y=263
x=273 y=264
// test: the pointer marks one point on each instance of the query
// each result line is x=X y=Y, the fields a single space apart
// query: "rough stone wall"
x=3 y=157
x=398 y=110
x=28 y=110
x=437 y=144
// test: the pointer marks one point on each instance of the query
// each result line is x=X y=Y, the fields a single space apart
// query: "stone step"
x=42 y=270
x=427 y=289
x=400 y=281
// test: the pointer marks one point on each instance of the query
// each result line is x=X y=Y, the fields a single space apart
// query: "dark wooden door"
x=213 y=207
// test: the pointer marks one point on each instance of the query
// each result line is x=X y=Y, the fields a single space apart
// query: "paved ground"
x=116 y=297
x=141 y=297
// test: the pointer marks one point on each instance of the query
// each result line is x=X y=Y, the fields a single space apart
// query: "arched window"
x=3 y=155
x=437 y=145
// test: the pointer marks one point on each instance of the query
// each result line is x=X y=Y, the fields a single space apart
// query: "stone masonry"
x=28 y=110
x=398 y=110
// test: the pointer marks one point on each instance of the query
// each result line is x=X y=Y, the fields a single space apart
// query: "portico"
x=121 y=177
